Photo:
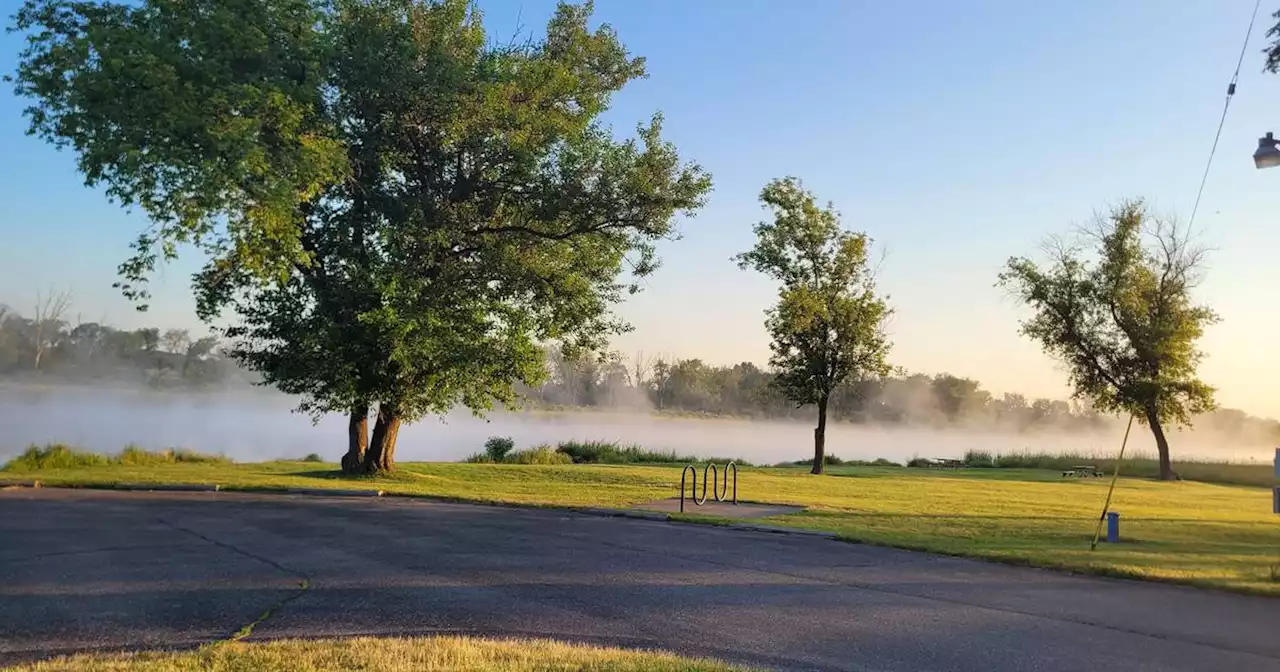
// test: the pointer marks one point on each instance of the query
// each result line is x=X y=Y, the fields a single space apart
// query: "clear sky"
x=956 y=134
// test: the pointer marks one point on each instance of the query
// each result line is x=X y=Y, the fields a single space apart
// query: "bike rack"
x=709 y=473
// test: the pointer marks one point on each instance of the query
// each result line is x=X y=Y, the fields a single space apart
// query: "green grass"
x=385 y=655
x=1223 y=536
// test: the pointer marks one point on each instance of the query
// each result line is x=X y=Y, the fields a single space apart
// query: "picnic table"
x=1082 y=471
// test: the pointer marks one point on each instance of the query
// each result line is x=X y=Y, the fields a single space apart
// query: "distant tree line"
x=49 y=345
x=745 y=390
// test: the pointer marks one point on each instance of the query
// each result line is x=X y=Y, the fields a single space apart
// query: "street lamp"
x=1267 y=155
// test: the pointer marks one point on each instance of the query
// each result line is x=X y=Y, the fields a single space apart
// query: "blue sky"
x=956 y=134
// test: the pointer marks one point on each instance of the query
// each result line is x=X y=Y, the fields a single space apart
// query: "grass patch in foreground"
x=1199 y=533
x=386 y=655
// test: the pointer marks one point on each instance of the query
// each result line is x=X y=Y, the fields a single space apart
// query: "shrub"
x=58 y=456
x=53 y=456
x=134 y=456
x=610 y=452
x=313 y=457
x=979 y=458
x=479 y=458
x=918 y=462
x=537 y=455
x=497 y=447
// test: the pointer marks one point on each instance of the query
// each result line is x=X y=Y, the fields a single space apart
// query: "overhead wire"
x=1231 y=91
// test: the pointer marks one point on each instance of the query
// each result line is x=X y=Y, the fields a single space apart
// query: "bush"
x=54 y=456
x=479 y=458
x=919 y=462
x=610 y=452
x=313 y=457
x=137 y=457
x=497 y=447
x=59 y=456
x=537 y=455
x=133 y=455
x=979 y=458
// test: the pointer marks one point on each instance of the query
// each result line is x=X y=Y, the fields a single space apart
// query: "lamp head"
x=1267 y=155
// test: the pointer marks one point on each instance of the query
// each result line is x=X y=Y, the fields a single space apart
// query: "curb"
x=20 y=484
x=782 y=530
x=162 y=487
x=627 y=513
x=326 y=492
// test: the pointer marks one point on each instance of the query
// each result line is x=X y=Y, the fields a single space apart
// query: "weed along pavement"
x=89 y=570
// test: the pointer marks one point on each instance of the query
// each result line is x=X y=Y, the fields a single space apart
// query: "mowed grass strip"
x=1221 y=536
x=385 y=655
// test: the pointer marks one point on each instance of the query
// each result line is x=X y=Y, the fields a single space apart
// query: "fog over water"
x=259 y=426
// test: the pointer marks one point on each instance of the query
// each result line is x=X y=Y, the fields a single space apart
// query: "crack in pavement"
x=247 y=629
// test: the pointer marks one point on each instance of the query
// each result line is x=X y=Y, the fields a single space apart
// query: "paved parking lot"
x=108 y=570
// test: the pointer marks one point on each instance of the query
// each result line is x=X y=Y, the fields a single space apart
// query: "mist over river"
x=255 y=426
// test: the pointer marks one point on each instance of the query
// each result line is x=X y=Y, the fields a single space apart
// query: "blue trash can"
x=1113 y=527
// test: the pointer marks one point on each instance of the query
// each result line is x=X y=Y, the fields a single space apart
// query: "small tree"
x=175 y=341
x=828 y=324
x=497 y=447
x=47 y=323
x=1116 y=308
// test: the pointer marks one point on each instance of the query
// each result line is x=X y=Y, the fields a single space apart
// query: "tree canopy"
x=828 y=323
x=397 y=210
x=1116 y=308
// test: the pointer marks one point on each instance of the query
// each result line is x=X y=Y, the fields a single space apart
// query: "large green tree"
x=397 y=211
x=1116 y=309
x=828 y=324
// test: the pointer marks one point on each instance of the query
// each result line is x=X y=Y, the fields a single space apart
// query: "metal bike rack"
x=709 y=473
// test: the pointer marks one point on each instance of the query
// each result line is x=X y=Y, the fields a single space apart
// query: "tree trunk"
x=357 y=440
x=382 y=449
x=1162 y=446
x=820 y=438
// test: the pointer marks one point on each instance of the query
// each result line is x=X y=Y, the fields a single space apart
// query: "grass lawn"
x=1223 y=536
x=385 y=655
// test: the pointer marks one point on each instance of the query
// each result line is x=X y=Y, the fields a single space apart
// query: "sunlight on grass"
x=386 y=655
x=1215 y=535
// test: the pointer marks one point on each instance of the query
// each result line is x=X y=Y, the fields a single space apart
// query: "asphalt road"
x=103 y=570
